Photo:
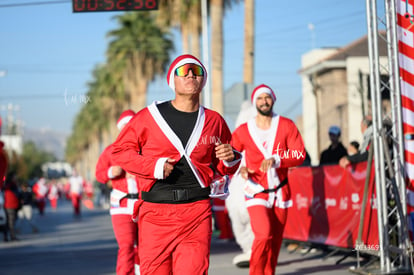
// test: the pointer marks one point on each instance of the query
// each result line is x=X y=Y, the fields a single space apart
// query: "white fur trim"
x=159 y=168
x=180 y=63
x=284 y=204
x=110 y=175
x=123 y=122
x=263 y=90
x=121 y=211
x=254 y=202
x=277 y=161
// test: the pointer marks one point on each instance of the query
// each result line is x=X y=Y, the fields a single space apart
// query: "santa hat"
x=262 y=89
x=124 y=118
x=179 y=61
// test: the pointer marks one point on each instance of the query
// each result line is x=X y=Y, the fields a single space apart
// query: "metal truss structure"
x=395 y=247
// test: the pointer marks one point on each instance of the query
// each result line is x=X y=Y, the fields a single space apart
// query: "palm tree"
x=112 y=97
x=138 y=51
x=248 y=41
x=145 y=48
x=78 y=141
x=184 y=15
x=106 y=96
x=193 y=24
x=216 y=8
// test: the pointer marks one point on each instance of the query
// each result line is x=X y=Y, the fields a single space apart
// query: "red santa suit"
x=40 y=190
x=123 y=196
x=53 y=195
x=221 y=217
x=76 y=183
x=141 y=149
x=267 y=194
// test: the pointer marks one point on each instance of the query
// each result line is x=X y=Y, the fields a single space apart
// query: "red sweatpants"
x=76 y=203
x=126 y=235
x=53 y=203
x=41 y=203
x=175 y=238
x=267 y=226
x=222 y=219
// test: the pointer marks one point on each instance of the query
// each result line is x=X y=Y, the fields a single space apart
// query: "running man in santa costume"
x=40 y=190
x=76 y=183
x=53 y=194
x=175 y=148
x=271 y=144
x=123 y=196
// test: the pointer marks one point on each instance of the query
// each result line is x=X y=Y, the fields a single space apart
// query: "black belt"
x=283 y=183
x=176 y=196
x=133 y=196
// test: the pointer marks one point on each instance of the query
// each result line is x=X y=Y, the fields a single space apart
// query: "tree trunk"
x=195 y=25
x=93 y=157
x=137 y=86
x=217 y=55
x=185 y=38
x=248 y=41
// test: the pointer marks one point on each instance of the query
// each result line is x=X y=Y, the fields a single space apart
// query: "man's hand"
x=267 y=164
x=116 y=171
x=344 y=162
x=244 y=172
x=224 y=152
x=168 y=167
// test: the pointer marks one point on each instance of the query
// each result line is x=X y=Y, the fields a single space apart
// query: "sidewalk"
x=86 y=245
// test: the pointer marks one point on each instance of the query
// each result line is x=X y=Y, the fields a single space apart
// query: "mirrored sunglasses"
x=185 y=69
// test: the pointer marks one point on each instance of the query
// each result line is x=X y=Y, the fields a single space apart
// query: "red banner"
x=327 y=202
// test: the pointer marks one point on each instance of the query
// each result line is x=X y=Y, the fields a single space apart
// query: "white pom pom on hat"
x=124 y=118
x=262 y=88
x=179 y=61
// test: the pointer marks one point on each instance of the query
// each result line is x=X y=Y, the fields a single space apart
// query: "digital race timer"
x=113 y=5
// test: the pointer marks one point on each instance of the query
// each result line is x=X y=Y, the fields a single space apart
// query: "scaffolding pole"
x=394 y=244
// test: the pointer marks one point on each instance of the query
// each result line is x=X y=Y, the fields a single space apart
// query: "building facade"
x=335 y=90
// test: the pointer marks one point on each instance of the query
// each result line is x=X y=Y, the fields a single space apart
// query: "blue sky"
x=49 y=52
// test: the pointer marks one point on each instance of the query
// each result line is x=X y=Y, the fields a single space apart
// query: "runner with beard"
x=271 y=144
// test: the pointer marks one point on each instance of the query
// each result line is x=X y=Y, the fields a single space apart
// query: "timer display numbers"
x=114 y=5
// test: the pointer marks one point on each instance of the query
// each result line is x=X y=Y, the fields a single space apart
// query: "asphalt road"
x=86 y=245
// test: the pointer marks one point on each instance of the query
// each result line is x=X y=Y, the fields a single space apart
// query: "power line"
x=326 y=23
x=328 y=20
x=25 y=97
x=40 y=71
x=33 y=4
x=293 y=106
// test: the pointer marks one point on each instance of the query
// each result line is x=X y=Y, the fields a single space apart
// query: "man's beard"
x=265 y=113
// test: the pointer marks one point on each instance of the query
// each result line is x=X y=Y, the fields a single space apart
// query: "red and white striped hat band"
x=124 y=118
x=262 y=89
x=179 y=61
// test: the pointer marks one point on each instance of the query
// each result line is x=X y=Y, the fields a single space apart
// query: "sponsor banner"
x=327 y=205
